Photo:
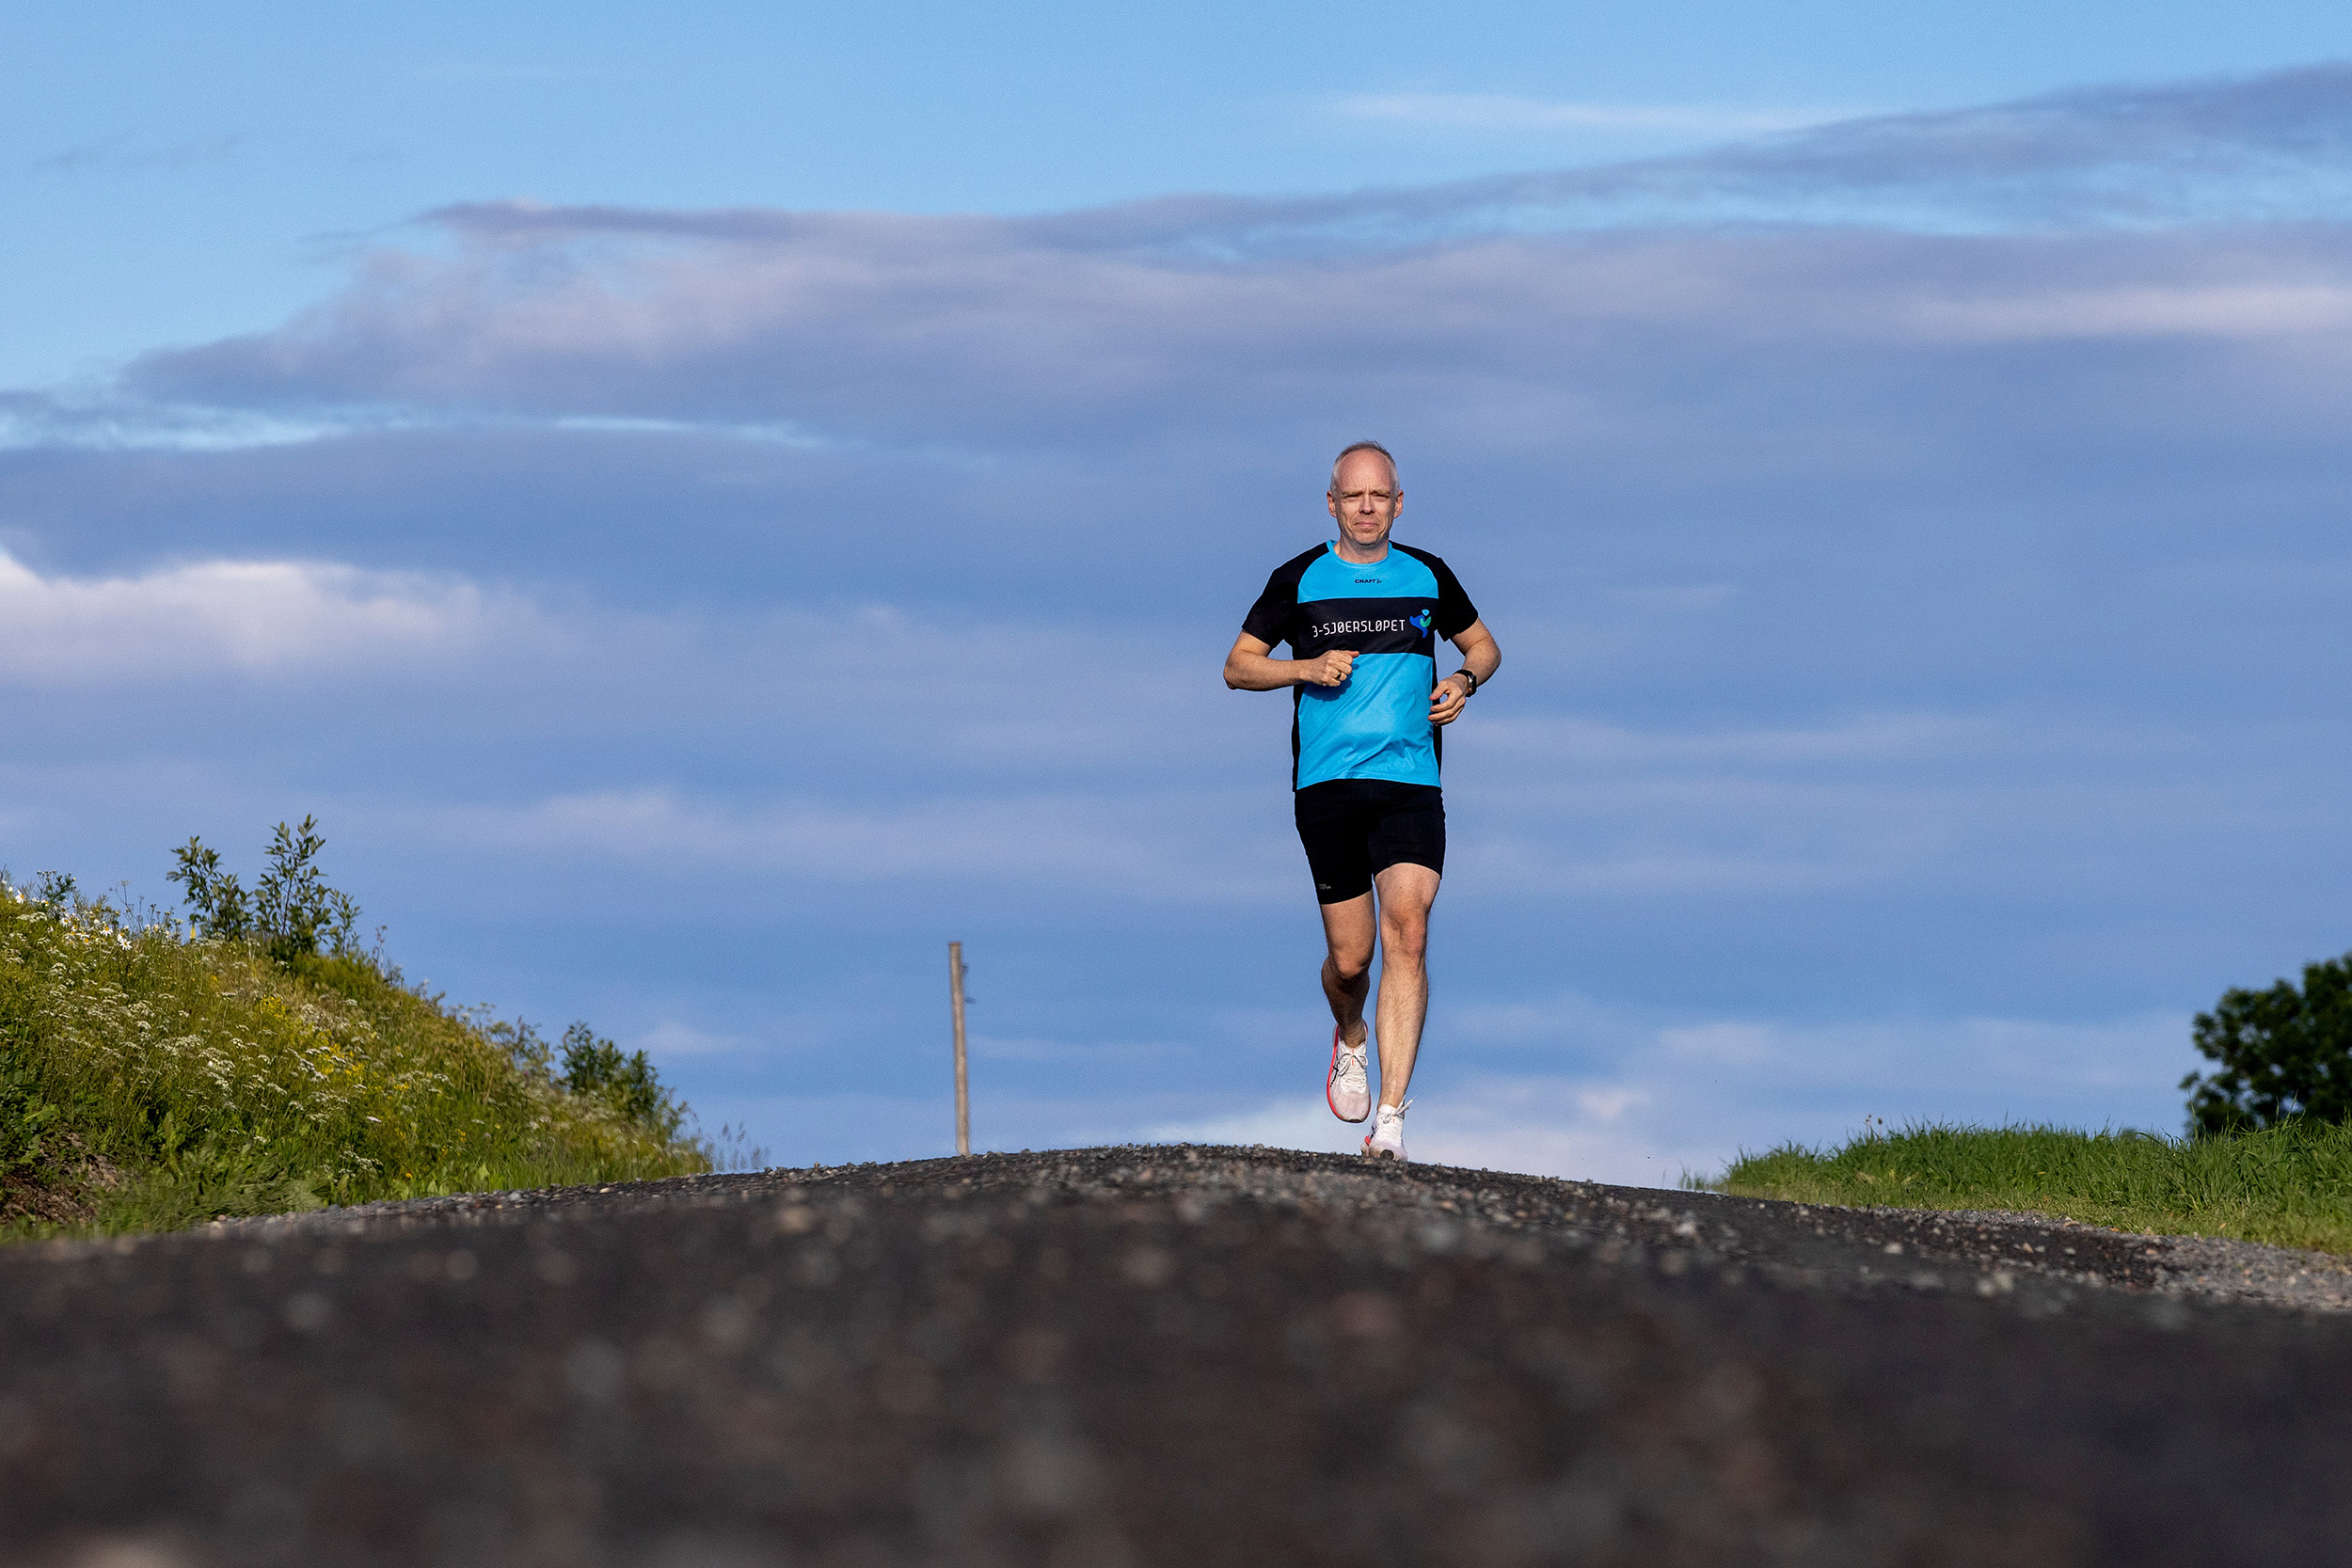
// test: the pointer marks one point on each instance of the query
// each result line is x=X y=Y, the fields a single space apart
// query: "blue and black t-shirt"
x=1389 y=615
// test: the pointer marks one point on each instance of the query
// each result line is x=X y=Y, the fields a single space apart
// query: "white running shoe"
x=1347 y=1091
x=1385 y=1141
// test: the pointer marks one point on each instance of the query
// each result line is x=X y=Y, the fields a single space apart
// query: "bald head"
x=1370 y=449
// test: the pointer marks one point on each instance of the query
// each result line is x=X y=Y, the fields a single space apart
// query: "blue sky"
x=706 y=509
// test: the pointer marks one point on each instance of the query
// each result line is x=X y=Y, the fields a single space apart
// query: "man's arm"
x=1248 y=669
x=1481 y=658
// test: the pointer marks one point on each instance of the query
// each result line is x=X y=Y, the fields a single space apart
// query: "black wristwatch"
x=1464 y=674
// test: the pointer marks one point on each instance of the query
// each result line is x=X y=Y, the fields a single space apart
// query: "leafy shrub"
x=596 y=1068
x=2284 y=1053
x=291 y=911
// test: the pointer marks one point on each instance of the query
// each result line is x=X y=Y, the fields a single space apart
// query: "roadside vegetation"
x=2266 y=1156
x=253 y=1058
x=2289 y=1185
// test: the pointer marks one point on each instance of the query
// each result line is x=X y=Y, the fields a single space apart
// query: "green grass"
x=2289 y=1185
x=149 y=1080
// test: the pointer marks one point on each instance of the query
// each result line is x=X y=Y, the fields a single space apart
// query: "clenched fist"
x=1330 y=668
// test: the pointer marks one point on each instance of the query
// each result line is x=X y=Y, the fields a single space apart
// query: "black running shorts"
x=1356 y=829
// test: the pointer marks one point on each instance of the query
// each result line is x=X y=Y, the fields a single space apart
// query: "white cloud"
x=1657 y=1100
x=274 y=617
x=1508 y=112
x=1291 y=1122
x=1536 y=1126
x=671 y=1038
x=1668 y=1099
x=85 y=422
x=1595 y=1131
x=29 y=421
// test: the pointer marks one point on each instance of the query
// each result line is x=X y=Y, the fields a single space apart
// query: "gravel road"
x=1166 y=1356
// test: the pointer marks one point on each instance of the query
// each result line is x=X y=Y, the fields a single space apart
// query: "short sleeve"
x=1455 y=613
x=1269 y=620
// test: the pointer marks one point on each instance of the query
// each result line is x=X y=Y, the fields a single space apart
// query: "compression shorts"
x=1355 y=828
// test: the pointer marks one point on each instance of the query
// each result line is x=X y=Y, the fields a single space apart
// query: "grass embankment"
x=149 y=1080
x=2289 y=1185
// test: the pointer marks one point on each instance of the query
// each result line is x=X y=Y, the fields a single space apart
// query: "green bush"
x=291 y=909
x=596 y=1068
x=152 y=1077
x=2284 y=1053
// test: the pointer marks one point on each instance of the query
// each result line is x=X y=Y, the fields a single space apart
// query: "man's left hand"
x=1447 y=702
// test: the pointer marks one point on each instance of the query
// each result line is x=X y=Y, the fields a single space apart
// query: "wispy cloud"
x=126 y=155
x=1505 y=112
x=101 y=423
x=2276 y=310
x=2264 y=147
x=671 y=1038
x=1530 y=299
x=2270 y=146
x=941 y=334
x=275 y=617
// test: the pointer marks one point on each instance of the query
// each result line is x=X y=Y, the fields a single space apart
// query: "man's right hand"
x=1330 y=668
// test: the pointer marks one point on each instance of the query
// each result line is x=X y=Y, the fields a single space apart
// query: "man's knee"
x=1349 y=964
x=1405 y=936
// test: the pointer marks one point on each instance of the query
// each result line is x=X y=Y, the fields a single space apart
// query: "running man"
x=1363 y=616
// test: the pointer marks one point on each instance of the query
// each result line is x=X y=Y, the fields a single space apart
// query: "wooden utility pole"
x=955 y=1001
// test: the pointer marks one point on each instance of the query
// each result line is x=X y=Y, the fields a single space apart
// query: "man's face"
x=1364 y=500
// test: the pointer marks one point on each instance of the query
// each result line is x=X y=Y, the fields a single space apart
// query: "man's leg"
x=1406 y=892
x=1348 y=929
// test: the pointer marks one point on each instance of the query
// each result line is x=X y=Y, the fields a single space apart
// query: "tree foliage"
x=599 y=1070
x=2282 y=1054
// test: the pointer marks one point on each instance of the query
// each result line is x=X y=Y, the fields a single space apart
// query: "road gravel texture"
x=1166 y=1355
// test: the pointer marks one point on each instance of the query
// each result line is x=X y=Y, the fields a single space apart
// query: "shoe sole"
x=1334 y=1072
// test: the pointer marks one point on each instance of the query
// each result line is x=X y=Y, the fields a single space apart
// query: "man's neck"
x=1348 y=552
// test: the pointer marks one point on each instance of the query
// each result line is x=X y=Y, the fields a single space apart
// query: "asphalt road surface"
x=1155 y=1355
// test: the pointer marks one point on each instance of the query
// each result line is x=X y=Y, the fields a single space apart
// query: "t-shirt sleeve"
x=1269 y=619
x=1455 y=613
